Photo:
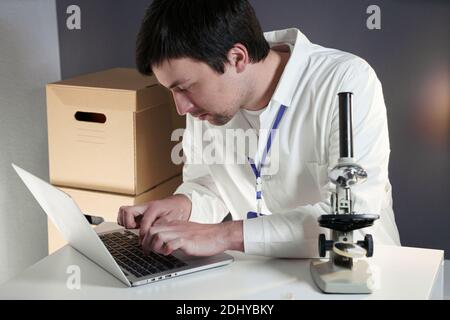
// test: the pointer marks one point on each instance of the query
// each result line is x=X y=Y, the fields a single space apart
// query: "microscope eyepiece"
x=345 y=125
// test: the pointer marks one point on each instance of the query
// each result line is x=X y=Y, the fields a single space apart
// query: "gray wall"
x=410 y=55
x=106 y=38
x=28 y=60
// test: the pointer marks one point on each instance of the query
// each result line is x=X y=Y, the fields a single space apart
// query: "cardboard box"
x=110 y=131
x=106 y=205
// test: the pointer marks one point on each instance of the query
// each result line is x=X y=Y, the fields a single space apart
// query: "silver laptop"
x=115 y=251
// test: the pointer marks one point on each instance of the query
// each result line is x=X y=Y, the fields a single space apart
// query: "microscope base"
x=334 y=279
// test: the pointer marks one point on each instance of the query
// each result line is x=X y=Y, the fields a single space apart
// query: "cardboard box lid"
x=120 y=88
x=116 y=79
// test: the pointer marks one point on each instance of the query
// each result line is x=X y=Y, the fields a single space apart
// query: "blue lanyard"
x=257 y=170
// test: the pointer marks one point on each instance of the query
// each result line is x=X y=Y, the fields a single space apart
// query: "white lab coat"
x=308 y=146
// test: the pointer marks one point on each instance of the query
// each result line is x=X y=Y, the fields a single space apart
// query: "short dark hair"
x=204 y=30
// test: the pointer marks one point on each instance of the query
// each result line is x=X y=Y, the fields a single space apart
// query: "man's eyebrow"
x=177 y=83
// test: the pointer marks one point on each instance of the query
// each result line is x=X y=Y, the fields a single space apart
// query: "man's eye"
x=184 y=88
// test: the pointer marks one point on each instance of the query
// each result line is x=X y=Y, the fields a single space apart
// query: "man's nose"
x=182 y=103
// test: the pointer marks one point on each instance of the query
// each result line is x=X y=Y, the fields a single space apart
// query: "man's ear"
x=238 y=57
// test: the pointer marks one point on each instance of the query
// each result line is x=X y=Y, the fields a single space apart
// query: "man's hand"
x=173 y=208
x=194 y=238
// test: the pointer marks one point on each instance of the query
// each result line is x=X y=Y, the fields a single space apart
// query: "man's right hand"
x=176 y=207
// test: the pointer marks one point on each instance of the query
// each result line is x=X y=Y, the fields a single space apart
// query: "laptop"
x=116 y=251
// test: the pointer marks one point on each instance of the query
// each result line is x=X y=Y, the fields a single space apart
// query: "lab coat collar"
x=287 y=84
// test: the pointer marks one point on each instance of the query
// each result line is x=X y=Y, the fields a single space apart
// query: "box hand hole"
x=90 y=117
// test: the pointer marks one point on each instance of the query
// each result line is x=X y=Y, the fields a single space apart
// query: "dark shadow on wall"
x=106 y=38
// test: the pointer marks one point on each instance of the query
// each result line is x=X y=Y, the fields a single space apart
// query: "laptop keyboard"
x=124 y=247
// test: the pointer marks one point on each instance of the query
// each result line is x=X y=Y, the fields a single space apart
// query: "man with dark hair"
x=225 y=74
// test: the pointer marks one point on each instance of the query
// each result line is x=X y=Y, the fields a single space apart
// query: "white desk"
x=403 y=273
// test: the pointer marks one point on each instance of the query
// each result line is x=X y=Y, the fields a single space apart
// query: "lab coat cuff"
x=254 y=239
x=185 y=190
x=205 y=206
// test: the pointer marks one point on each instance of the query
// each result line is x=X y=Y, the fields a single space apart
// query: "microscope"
x=346 y=270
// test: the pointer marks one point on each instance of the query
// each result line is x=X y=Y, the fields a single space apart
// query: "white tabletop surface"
x=401 y=272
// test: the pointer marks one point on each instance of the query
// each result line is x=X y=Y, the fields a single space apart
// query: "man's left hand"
x=193 y=238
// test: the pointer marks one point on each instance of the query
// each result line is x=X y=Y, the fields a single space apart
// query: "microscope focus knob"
x=367 y=244
x=324 y=245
